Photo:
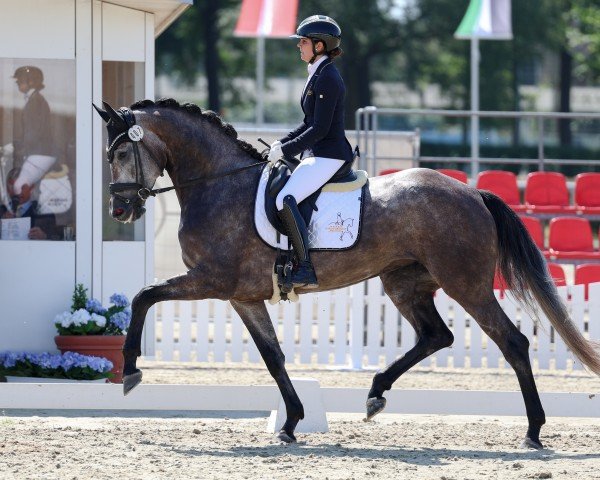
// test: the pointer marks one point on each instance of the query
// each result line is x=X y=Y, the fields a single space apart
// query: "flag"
x=267 y=18
x=486 y=20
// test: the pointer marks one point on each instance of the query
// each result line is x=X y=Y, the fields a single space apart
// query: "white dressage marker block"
x=315 y=419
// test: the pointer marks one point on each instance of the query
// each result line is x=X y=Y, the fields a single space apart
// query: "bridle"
x=134 y=133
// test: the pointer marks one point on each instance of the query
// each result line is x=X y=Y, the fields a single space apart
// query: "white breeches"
x=32 y=171
x=309 y=176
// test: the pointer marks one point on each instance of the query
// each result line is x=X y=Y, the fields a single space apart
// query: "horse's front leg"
x=183 y=287
x=256 y=318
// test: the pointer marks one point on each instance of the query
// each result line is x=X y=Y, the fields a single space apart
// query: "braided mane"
x=209 y=115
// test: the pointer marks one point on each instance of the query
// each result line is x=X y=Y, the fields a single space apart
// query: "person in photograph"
x=33 y=151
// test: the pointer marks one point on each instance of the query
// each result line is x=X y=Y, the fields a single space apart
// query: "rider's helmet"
x=32 y=75
x=320 y=27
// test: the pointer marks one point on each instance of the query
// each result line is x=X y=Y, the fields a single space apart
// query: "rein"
x=147 y=192
x=143 y=192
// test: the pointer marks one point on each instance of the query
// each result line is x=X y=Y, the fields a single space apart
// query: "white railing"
x=359 y=327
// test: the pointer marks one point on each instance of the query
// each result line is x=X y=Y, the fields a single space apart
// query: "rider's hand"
x=275 y=153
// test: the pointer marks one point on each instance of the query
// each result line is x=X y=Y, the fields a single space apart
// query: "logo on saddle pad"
x=335 y=225
x=341 y=226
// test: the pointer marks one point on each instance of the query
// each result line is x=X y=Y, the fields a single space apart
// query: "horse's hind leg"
x=411 y=289
x=256 y=318
x=515 y=348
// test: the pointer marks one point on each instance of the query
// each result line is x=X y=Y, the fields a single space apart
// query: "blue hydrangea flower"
x=94 y=306
x=10 y=359
x=52 y=362
x=121 y=320
x=119 y=300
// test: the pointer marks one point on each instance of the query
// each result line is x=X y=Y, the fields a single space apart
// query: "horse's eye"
x=122 y=155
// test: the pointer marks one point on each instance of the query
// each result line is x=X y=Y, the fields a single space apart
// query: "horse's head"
x=137 y=157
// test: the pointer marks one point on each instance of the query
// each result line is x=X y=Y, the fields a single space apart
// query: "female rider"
x=320 y=138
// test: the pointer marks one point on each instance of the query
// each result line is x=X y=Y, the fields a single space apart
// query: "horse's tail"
x=526 y=274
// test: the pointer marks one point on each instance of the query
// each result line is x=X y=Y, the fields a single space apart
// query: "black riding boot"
x=295 y=226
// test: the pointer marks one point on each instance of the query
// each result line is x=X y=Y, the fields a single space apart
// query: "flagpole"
x=260 y=79
x=474 y=107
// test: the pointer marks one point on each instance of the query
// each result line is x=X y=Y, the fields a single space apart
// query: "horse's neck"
x=192 y=168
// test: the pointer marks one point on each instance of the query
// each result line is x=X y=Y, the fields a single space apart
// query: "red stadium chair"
x=456 y=174
x=571 y=238
x=503 y=184
x=546 y=192
x=558 y=274
x=534 y=227
x=586 y=274
x=499 y=283
x=388 y=171
x=587 y=193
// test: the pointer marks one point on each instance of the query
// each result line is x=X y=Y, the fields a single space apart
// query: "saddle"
x=278 y=177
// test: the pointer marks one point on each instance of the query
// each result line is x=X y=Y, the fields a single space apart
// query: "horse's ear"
x=105 y=116
x=112 y=114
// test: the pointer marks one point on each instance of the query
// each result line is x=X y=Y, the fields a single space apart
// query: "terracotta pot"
x=107 y=346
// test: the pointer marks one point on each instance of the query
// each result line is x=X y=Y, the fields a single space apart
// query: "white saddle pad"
x=334 y=226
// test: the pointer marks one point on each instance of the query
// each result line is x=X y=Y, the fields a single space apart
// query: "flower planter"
x=107 y=346
x=11 y=379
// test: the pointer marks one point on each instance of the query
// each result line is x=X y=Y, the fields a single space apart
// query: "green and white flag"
x=486 y=20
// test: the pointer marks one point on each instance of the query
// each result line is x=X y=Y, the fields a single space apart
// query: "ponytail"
x=336 y=52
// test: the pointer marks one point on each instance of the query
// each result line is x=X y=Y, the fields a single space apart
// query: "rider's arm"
x=294 y=133
x=326 y=98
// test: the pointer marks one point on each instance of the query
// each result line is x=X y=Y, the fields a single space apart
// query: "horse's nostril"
x=118 y=211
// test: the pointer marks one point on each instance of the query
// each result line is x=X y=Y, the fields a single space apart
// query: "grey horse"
x=421 y=231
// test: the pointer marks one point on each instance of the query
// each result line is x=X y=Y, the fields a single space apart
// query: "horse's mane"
x=209 y=115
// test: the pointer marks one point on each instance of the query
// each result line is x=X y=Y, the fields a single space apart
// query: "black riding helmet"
x=322 y=28
x=32 y=75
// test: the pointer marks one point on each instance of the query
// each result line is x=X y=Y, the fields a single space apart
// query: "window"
x=122 y=85
x=37 y=149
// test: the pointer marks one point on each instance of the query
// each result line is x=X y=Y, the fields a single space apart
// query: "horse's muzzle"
x=126 y=212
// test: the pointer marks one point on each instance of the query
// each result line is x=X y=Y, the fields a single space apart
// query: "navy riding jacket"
x=322 y=130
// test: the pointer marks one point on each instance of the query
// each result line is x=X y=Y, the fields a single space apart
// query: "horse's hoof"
x=131 y=381
x=286 y=437
x=528 y=443
x=374 y=406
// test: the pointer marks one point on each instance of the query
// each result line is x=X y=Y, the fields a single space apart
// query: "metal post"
x=365 y=127
x=358 y=116
x=375 y=126
x=474 y=107
x=416 y=148
x=260 y=80
x=541 y=144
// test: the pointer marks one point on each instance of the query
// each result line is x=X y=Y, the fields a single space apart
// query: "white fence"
x=359 y=327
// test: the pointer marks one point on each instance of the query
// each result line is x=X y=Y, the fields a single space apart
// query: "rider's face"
x=22 y=84
x=306 y=49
